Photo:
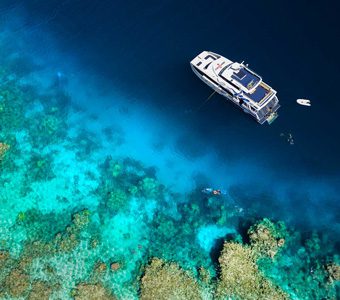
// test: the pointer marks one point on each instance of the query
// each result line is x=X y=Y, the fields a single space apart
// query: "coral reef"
x=267 y=238
x=15 y=274
x=169 y=236
x=70 y=238
x=87 y=143
x=87 y=291
x=15 y=280
x=300 y=269
x=114 y=266
x=3 y=150
x=117 y=200
x=100 y=267
x=40 y=290
x=12 y=106
x=240 y=277
x=333 y=270
x=149 y=187
x=167 y=281
x=44 y=255
x=17 y=283
x=53 y=243
x=49 y=125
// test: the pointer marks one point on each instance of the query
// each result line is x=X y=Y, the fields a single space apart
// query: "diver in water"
x=60 y=80
x=289 y=137
x=213 y=192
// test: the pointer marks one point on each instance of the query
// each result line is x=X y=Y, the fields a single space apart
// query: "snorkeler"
x=210 y=191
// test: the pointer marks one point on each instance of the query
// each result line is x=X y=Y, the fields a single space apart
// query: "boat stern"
x=272 y=117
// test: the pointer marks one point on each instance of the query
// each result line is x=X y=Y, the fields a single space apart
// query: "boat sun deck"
x=245 y=78
x=260 y=93
x=250 y=83
x=240 y=76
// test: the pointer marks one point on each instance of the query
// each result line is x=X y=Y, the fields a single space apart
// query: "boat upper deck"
x=259 y=93
x=241 y=76
x=246 y=78
x=250 y=83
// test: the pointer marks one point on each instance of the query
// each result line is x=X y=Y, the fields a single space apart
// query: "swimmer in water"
x=215 y=192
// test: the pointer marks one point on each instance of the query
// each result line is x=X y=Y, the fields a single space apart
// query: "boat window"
x=223 y=69
x=206 y=67
x=240 y=74
x=199 y=63
x=209 y=56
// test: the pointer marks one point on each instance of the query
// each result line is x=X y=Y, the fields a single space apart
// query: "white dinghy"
x=304 y=102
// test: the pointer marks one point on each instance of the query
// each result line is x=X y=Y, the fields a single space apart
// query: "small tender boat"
x=304 y=102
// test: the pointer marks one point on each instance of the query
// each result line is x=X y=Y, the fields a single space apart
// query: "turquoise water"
x=99 y=178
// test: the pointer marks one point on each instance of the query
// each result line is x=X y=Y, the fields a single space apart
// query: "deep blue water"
x=144 y=48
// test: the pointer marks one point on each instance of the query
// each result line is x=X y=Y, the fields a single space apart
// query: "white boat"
x=236 y=82
x=304 y=102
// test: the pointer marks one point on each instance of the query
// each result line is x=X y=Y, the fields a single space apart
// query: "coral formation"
x=300 y=269
x=49 y=125
x=100 y=267
x=167 y=281
x=3 y=150
x=149 y=187
x=114 y=266
x=17 y=283
x=87 y=291
x=240 y=277
x=117 y=200
x=12 y=106
x=40 y=290
x=267 y=238
x=55 y=242
x=333 y=270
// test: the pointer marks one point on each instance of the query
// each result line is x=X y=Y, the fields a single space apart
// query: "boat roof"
x=241 y=76
x=259 y=93
x=248 y=81
x=244 y=77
